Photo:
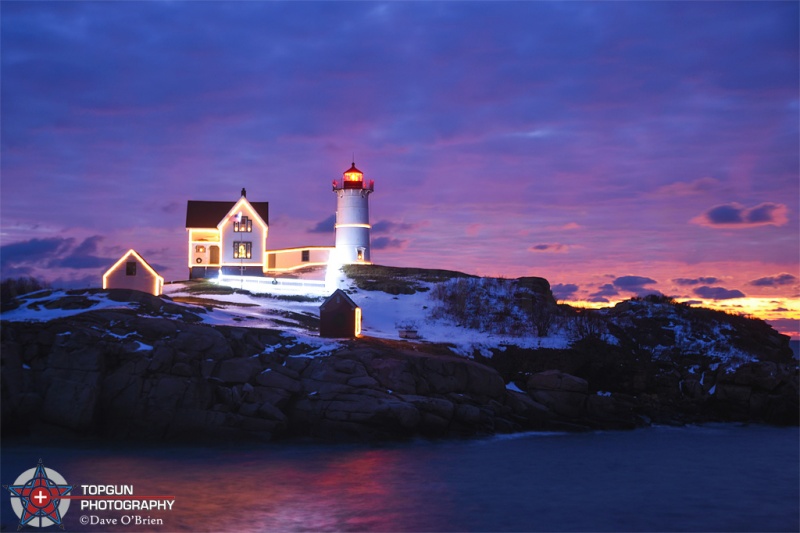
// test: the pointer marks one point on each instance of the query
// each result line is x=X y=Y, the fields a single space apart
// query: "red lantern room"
x=353 y=179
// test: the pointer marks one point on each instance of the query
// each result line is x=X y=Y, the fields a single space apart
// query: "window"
x=130 y=268
x=200 y=249
x=305 y=256
x=243 y=226
x=361 y=254
x=242 y=250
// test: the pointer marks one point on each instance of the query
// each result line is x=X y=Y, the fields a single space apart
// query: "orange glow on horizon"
x=762 y=308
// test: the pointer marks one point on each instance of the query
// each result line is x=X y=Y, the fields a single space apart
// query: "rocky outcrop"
x=375 y=390
x=116 y=374
x=568 y=397
x=601 y=386
x=156 y=373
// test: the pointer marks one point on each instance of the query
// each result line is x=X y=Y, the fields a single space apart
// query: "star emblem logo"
x=39 y=497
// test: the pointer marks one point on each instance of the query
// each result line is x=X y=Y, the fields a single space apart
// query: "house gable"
x=207 y=214
x=246 y=208
x=121 y=276
x=338 y=300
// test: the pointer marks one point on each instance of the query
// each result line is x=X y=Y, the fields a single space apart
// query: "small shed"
x=339 y=316
x=133 y=272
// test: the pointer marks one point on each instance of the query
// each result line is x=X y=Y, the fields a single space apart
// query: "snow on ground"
x=383 y=313
x=714 y=343
x=512 y=386
x=33 y=309
x=248 y=310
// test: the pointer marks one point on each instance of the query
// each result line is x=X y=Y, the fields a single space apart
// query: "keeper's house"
x=231 y=236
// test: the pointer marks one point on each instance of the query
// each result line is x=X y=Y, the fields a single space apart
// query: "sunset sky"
x=614 y=148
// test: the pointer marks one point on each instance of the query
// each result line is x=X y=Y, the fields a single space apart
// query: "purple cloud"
x=56 y=253
x=84 y=256
x=33 y=251
x=774 y=281
x=384 y=243
x=632 y=283
x=787 y=326
x=563 y=291
x=552 y=248
x=718 y=293
x=735 y=215
x=605 y=290
x=324 y=226
x=696 y=281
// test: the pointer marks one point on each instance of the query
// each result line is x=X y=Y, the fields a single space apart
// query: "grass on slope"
x=397 y=280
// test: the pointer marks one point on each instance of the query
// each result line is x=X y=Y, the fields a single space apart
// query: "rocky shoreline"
x=124 y=375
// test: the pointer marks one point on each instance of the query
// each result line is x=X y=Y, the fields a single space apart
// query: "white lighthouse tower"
x=352 y=217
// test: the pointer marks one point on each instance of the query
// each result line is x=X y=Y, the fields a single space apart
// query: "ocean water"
x=705 y=478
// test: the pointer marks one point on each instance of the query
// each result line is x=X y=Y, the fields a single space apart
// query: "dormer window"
x=245 y=225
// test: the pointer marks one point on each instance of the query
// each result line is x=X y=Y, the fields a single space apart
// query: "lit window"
x=130 y=268
x=200 y=249
x=305 y=256
x=243 y=226
x=242 y=250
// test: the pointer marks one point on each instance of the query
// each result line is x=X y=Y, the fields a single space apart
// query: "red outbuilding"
x=339 y=316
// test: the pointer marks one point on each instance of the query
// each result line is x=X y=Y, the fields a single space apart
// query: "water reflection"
x=339 y=489
x=724 y=478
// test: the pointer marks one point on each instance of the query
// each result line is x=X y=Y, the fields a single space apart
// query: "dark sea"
x=704 y=478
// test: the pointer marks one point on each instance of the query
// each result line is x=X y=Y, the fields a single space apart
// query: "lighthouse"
x=352 y=217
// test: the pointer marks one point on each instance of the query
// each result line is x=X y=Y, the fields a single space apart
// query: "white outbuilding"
x=133 y=272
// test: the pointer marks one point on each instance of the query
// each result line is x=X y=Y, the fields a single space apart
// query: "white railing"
x=260 y=284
